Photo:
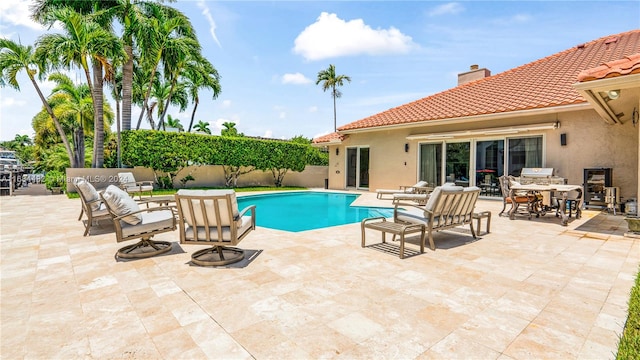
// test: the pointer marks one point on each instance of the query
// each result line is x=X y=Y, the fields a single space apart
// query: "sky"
x=269 y=53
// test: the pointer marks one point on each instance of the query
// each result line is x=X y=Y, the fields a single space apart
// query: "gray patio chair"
x=211 y=217
x=448 y=207
x=132 y=222
x=129 y=184
x=91 y=202
x=421 y=187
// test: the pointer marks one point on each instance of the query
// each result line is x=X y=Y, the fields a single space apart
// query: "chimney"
x=473 y=74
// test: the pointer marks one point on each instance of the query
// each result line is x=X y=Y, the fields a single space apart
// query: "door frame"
x=357 y=166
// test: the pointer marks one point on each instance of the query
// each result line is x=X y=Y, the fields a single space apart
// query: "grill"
x=542 y=176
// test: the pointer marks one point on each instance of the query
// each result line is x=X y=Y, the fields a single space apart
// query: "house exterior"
x=557 y=112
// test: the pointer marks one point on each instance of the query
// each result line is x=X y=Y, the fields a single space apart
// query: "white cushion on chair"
x=151 y=221
x=436 y=193
x=89 y=192
x=121 y=204
x=432 y=199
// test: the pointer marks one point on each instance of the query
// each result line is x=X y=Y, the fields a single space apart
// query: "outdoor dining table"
x=561 y=190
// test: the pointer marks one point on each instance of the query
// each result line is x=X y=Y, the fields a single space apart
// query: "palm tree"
x=22 y=140
x=202 y=126
x=83 y=40
x=229 y=129
x=201 y=75
x=14 y=58
x=130 y=14
x=73 y=102
x=172 y=94
x=168 y=38
x=116 y=92
x=331 y=81
x=173 y=73
x=174 y=123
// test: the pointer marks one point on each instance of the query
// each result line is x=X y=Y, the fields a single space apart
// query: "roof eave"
x=475 y=118
x=327 y=143
x=592 y=90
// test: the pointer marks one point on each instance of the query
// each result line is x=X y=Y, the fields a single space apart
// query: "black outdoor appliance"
x=596 y=180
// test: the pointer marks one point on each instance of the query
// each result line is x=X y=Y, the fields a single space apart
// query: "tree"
x=72 y=105
x=174 y=123
x=83 y=40
x=330 y=80
x=14 y=58
x=22 y=140
x=170 y=95
x=300 y=139
x=73 y=102
x=202 y=126
x=130 y=14
x=168 y=38
x=229 y=129
x=201 y=75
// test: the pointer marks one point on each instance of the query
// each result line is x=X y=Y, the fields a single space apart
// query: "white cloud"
x=17 y=13
x=234 y=119
x=448 y=8
x=226 y=104
x=221 y=121
x=281 y=110
x=331 y=37
x=296 y=78
x=268 y=134
x=313 y=109
x=515 y=19
x=7 y=102
x=212 y=24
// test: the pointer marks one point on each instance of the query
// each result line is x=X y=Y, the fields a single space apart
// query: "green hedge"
x=168 y=152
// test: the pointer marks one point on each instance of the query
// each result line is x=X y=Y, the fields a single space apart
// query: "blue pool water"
x=300 y=211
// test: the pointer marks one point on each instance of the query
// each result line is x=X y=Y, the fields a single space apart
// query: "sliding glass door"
x=489 y=166
x=458 y=162
x=478 y=162
x=358 y=167
x=431 y=163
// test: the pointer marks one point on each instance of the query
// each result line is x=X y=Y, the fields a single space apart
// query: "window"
x=524 y=152
x=431 y=163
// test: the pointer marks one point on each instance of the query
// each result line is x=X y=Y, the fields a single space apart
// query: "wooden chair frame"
x=221 y=234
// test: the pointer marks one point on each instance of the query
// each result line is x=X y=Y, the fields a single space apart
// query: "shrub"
x=629 y=347
x=167 y=153
x=54 y=178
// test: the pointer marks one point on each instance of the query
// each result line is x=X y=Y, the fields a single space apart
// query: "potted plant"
x=54 y=180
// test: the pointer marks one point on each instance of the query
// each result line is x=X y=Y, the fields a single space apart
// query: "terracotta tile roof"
x=628 y=65
x=543 y=83
x=329 y=138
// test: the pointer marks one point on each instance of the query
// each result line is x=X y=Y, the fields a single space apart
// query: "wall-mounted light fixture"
x=613 y=94
x=406 y=147
x=337 y=151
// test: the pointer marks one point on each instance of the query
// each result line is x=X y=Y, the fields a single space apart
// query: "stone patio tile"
x=529 y=289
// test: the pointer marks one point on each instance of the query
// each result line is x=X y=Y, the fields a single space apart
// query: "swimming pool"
x=301 y=211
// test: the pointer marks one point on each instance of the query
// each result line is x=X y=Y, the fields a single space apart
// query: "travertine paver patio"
x=528 y=290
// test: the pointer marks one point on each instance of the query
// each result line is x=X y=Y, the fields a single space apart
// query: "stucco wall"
x=590 y=143
x=205 y=176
